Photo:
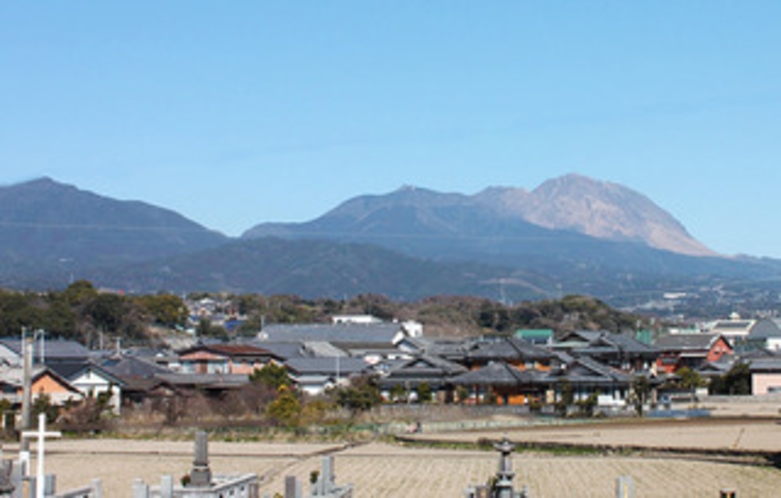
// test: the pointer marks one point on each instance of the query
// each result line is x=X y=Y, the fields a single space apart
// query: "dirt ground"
x=770 y=406
x=391 y=470
x=386 y=470
x=711 y=434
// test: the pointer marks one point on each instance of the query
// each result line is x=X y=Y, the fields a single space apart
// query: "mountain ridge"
x=571 y=203
x=407 y=244
x=49 y=226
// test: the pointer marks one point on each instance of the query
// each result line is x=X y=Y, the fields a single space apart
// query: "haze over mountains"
x=571 y=234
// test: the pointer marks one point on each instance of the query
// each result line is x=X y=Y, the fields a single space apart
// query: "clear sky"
x=235 y=113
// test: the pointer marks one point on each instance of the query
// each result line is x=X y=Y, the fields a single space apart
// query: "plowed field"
x=386 y=470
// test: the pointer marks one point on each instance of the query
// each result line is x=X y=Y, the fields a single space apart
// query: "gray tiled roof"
x=326 y=366
x=764 y=329
x=322 y=349
x=431 y=364
x=585 y=370
x=610 y=343
x=508 y=348
x=70 y=370
x=13 y=375
x=766 y=365
x=284 y=350
x=52 y=348
x=442 y=347
x=496 y=373
x=581 y=335
x=678 y=342
x=375 y=333
x=126 y=367
x=733 y=324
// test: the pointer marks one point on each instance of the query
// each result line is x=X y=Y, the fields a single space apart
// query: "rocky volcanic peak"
x=599 y=209
x=574 y=203
x=505 y=201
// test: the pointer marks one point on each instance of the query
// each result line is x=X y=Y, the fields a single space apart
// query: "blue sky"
x=235 y=113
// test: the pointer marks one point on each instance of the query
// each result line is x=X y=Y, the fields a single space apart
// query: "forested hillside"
x=83 y=313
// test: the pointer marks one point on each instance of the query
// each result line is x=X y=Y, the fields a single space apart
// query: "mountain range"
x=573 y=203
x=48 y=228
x=570 y=234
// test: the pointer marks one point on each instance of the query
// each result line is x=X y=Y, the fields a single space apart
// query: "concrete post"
x=167 y=487
x=625 y=487
x=97 y=488
x=31 y=488
x=49 y=485
x=201 y=475
x=327 y=475
x=17 y=478
x=140 y=490
x=292 y=487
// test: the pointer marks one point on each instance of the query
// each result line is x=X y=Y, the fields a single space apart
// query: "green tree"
x=165 y=309
x=586 y=406
x=271 y=375
x=424 y=393
x=107 y=312
x=641 y=388
x=689 y=379
x=462 y=394
x=286 y=409
x=494 y=316
x=79 y=293
x=43 y=404
x=18 y=310
x=397 y=393
x=362 y=394
x=566 y=397
x=206 y=329
x=60 y=319
x=736 y=381
x=374 y=304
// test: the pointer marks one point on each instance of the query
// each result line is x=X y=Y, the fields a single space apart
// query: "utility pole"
x=41 y=345
x=27 y=388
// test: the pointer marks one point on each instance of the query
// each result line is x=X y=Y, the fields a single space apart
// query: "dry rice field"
x=388 y=470
x=748 y=435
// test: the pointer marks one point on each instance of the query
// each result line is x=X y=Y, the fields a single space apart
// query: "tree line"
x=83 y=313
x=80 y=312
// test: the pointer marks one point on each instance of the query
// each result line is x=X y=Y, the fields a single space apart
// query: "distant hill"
x=318 y=269
x=322 y=268
x=49 y=228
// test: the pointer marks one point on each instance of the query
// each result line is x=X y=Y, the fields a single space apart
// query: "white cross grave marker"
x=41 y=434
